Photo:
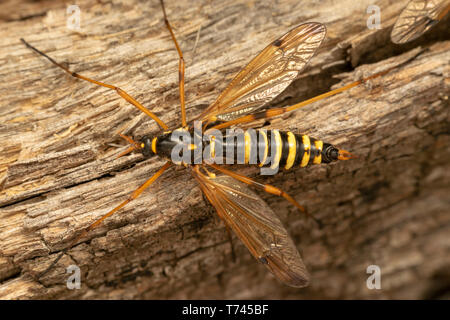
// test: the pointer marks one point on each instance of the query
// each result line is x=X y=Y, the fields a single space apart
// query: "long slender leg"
x=180 y=67
x=96 y=223
x=119 y=91
x=266 y=187
x=278 y=111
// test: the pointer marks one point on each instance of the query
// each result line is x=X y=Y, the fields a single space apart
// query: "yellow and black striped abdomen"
x=285 y=149
x=269 y=148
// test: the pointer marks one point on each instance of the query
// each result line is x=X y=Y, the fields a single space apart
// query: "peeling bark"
x=58 y=171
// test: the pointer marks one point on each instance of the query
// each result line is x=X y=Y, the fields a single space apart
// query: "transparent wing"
x=268 y=74
x=256 y=225
x=418 y=17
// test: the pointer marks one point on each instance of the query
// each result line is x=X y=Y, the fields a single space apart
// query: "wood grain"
x=59 y=139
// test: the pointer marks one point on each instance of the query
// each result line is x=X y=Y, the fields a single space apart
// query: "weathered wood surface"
x=58 y=139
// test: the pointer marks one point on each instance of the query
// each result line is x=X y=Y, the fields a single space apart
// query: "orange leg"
x=119 y=91
x=96 y=223
x=270 y=113
x=266 y=187
x=181 y=67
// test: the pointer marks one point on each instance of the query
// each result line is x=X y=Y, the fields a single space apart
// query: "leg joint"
x=273 y=190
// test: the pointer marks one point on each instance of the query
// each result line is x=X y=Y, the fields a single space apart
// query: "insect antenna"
x=133 y=145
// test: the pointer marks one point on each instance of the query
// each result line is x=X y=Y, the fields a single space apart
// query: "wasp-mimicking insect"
x=265 y=77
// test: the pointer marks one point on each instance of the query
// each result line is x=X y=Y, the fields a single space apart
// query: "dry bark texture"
x=58 y=170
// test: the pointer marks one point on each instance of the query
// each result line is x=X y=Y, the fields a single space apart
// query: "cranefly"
x=244 y=212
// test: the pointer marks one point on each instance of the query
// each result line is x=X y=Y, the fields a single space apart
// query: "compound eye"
x=145 y=145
